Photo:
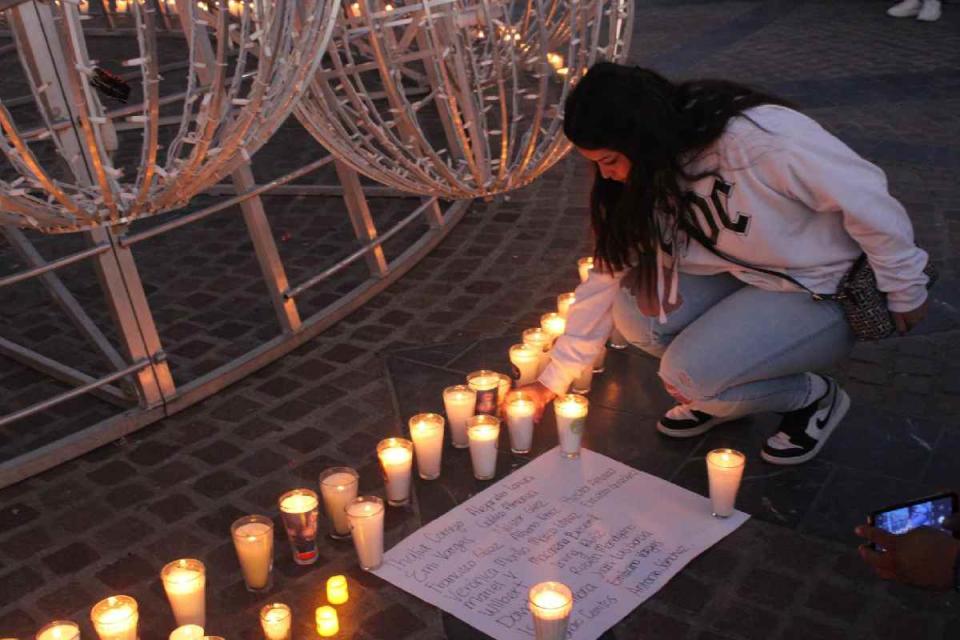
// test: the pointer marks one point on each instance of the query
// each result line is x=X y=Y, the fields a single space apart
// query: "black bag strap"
x=698 y=235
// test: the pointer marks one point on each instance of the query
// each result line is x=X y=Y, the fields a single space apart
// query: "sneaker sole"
x=840 y=410
x=689 y=433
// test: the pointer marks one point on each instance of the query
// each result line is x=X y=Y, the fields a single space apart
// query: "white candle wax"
x=526 y=362
x=460 y=403
x=539 y=339
x=185 y=584
x=553 y=324
x=487 y=385
x=396 y=460
x=426 y=430
x=275 y=620
x=571 y=412
x=581 y=384
x=253 y=540
x=506 y=383
x=520 y=409
x=59 y=630
x=115 y=618
x=584 y=266
x=366 y=526
x=483 y=432
x=187 y=632
x=599 y=361
x=338 y=486
x=724 y=471
x=550 y=604
x=564 y=302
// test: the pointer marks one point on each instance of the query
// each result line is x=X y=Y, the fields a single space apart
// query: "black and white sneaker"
x=804 y=432
x=684 y=422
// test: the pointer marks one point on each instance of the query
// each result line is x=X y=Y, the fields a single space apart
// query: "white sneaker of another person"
x=905 y=9
x=930 y=11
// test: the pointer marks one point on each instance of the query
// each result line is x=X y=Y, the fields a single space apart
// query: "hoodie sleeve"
x=589 y=323
x=826 y=175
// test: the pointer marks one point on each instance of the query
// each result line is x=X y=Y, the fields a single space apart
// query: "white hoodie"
x=792 y=198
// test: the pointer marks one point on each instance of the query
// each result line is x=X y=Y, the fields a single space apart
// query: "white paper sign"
x=613 y=534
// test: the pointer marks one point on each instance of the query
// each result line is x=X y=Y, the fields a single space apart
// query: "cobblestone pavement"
x=106 y=522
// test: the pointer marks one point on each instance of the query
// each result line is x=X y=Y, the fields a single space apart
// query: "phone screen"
x=931 y=513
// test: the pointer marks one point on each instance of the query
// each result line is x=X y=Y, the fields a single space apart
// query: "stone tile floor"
x=106 y=523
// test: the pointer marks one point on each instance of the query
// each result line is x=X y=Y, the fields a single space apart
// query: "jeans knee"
x=682 y=381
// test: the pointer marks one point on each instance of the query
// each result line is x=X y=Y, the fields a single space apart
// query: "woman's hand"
x=541 y=396
x=907 y=320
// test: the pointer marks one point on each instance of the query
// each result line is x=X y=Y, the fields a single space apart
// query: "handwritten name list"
x=613 y=534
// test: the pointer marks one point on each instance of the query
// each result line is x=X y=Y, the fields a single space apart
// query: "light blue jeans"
x=732 y=349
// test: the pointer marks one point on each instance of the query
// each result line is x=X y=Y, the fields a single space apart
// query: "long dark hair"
x=658 y=125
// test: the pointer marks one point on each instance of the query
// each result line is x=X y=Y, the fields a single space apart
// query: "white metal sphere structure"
x=68 y=168
x=457 y=98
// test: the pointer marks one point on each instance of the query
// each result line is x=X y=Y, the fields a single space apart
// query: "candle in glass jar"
x=553 y=324
x=426 y=430
x=550 y=604
x=187 y=632
x=396 y=462
x=253 y=541
x=539 y=339
x=520 y=408
x=724 y=471
x=299 y=512
x=327 y=623
x=459 y=402
x=584 y=267
x=59 y=630
x=366 y=527
x=338 y=486
x=617 y=341
x=506 y=383
x=526 y=363
x=581 y=384
x=275 y=620
x=337 y=590
x=564 y=302
x=115 y=618
x=571 y=412
x=487 y=385
x=598 y=362
x=185 y=582
x=483 y=431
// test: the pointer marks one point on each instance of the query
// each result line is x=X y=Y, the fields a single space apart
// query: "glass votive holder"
x=584 y=267
x=564 y=302
x=115 y=618
x=299 y=510
x=506 y=384
x=539 y=339
x=337 y=590
x=617 y=341
x=366 y=527
x=338 y=486
x=187 y=632
x=185 y=582
x=600 y=363
x=59 y=630
x=486 y=384
x=459 y=403
x=553 y=324
x=582 y=383
x=483 y=431
x=571 y=413
x=253 y=540
x=396 y=462
x=724 y=472
x=276 y=621
x=551 y=604
x=426 y=430
x=519 y=408
x=526 y=363
x=327 y=623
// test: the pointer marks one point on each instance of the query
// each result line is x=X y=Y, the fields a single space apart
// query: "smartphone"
x=930 y=511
